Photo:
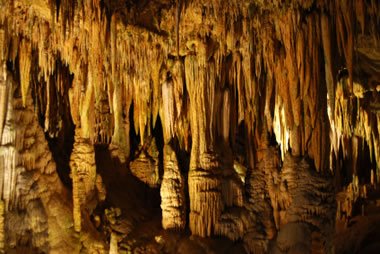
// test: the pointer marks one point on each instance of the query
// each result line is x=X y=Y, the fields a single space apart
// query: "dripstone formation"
x=189 y=126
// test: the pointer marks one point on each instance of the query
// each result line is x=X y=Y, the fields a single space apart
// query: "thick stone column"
x=173 y=202
x=83 y=173
x=204 y=174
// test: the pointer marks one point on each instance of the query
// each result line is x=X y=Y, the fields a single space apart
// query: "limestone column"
x=83 y=173
x=172 y=191
x=205 y=184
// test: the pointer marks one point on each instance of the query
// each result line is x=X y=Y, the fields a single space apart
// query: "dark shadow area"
x=139 y=203
x=60 y=132
x=240 y=144
x=137 y=200
x=134 y=138
x=159 y=137
x=344 y=167
x=364 y=163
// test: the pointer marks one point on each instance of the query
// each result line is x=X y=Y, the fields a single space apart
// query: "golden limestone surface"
x=252 y=120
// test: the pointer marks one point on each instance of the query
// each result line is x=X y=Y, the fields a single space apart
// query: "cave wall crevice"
x=303 y=72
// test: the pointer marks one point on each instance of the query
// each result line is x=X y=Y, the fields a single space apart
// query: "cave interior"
x=189 y=126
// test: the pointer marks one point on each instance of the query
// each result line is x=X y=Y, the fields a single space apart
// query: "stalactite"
x=344 y=128
x=326 y=40
x=25 y=64
x=168 y=105
x=254 y=64
x=291 y=107
x=87 y=114
x=4 y=89
x=280 y=129
x=226 y=115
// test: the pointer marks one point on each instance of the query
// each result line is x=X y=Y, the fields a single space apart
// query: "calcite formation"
x=173 y=202
x=145 y=166
x=242 y=119
x=34 y=199
x=86 y=183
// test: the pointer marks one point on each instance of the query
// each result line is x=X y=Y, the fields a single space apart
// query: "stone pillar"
x=83 y=173
x=172 y=192
x=204 y=180
x=173 y=203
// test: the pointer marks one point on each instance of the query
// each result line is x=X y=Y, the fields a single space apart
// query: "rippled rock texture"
x=194 y=120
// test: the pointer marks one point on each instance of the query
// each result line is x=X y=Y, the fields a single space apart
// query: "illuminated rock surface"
x=182 y=126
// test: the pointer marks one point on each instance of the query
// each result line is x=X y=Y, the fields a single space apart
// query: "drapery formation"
x=302 y=74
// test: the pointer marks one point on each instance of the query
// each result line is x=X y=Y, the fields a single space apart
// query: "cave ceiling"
x=244 y=119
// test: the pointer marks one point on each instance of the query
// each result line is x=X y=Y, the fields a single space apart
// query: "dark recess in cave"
x=60 y=139
x=134 y=138
x=364 y=164
x=159 y=137
x=138 y=200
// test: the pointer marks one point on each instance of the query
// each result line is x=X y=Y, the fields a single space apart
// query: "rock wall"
x=301 y=77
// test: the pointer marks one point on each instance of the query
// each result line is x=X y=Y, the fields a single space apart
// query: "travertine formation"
x=173 y=203
x=243 y=113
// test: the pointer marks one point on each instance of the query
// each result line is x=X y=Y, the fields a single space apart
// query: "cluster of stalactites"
x=352 y=113
x=121 y=69
x=275 y=57
x=355 y=122
x=264 y=68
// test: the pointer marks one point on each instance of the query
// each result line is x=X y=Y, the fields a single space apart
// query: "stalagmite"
x=38 y=203
x=82 y=163
x=296 y=204
x=173 y=203
x=246 y=117
x=205 y=185
x=2 y=227
x=113 y=244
